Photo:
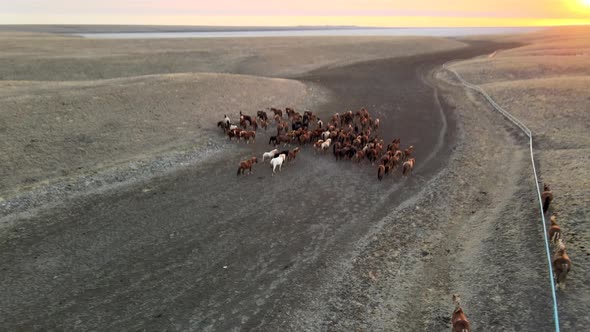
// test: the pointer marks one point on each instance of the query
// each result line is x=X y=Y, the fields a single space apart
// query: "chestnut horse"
x=247 y=165
x=546 y=197
x=562 y=264
x=408 y=166
x=248 y=135
x=293 y=154
x=458 y=319
x=555 y=230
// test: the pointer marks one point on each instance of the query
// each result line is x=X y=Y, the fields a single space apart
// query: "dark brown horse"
x=546 y=197
x=247 y=165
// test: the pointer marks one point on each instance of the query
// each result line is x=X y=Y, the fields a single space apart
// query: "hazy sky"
x=298 y=12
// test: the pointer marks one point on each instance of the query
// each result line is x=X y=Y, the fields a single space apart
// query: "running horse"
x=247 y=165
x=408 y=166
x=458 y=319
x=546 y=197
x=562 y=264
x=555 y=230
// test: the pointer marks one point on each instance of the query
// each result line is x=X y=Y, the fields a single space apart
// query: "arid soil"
x=65 y=129
x=322 y=246
x=545 y=85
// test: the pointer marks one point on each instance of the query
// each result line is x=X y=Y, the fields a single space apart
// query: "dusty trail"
x=202 y=250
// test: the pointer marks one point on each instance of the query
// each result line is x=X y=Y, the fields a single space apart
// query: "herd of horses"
x=353 y=136
x=349 y=136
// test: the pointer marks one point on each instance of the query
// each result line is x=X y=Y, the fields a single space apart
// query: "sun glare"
x=585 y=3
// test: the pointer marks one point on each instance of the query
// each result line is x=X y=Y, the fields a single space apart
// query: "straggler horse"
x=408 y=166
x=562 y=264
x=546 y=197
x=458 y=319
x=247 y=165
x=270 y=154
x=292 y=154
x=555 y=230
x=277 y=162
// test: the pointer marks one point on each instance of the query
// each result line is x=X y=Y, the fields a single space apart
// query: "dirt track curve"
x=203 y=250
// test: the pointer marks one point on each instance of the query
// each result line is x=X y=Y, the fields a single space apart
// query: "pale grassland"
x=546 y=84
x=56 y=129
x=32 y=57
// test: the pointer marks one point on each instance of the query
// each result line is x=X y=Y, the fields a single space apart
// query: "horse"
x=292 y=154
x=277 y=161
x=408 y=153
x=226 y=119
x=380 y=172
x=273 y=139
x=246 y=118
x=546 y=197
x=320 y=124
x=326 y=145
x=458 y=319
x=270 y=154
x=223 y=125
x=248 y=135
x=408 y=166
x=277 y=112
x=262 y=115
x=264 y=124
x=234 y=133
x=562 y=264
x=554 y=230
x=247 y=165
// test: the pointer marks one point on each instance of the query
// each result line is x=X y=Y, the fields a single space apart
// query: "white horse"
x=278 y=161
x=326 y=144
x=232 y=127
x=270 y=154
x=226 y=119
x=326 y=135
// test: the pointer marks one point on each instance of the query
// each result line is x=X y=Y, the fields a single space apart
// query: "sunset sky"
x=396 y=13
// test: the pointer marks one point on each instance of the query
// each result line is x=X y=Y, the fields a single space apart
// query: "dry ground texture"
x=26 y=56
x=61 y=129
x=70 y=105
x=547 y=86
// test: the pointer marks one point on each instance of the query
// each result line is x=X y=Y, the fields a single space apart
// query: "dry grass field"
x=26 y=56
x=63 y=129
x=71 y=105
x=546 y=84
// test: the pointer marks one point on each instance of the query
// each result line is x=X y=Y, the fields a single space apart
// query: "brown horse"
x=293 y=154
x=247 y=165
x=408 y=152
x=562 y=264
x=458 y=319
x=277 y=112
x=248 y=135
x=408 y=166
x=546 y=197
x=555 y=230
x=381 y=170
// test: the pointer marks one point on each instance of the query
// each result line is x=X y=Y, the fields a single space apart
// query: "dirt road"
x=203 y=250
